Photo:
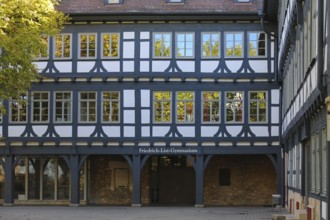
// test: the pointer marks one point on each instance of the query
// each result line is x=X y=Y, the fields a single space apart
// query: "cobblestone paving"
x=133 y=213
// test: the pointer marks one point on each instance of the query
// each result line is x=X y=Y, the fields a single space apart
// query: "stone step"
x=301 y=214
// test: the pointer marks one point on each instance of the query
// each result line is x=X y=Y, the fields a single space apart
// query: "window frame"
x=210 y=110
x=153 y=45
x=219 y=47
x=102 y=46
x=234 y=43
x=113 y=3
x=257 y=114
x=110 y=100
x=185 y=112
x=18 y=110
x=62 y=52
x=234 y=115
x=88 y=34
x=248 y=46
x=39 y=56
x=40 y=100
x=62 y=101
x=185 y=46
x=88 y=107
x=170 y=100
x=175 y=1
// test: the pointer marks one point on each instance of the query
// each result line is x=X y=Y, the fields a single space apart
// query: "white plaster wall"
x=187 y=131
x=186 y=66
x=275 y=130
x=128 y=66
x=209 y=66
x=234 y=130
x=15 y=131
x=144 y=66
x=259 y=66
x=129 y=35
x=160 y=131
x=111 y=66
x=275 y=94
x=275 y=114
x=260 y=131
x=111 y=131
x=145 y=98
x=85 y=66
x=40 y=65
x=160 y=66
x=144 y=50
x=39 y=129
x=1 y=131
x=63 y=66
x=129 y=98
x=324 y=210
x=145 y=116
x=64 y=131
x=129 y=116
x=144 y=35
x=85 y=131
x=129 y=131
x=234 y=65
x=208 y=131
x=145 y=131
x=128 y=50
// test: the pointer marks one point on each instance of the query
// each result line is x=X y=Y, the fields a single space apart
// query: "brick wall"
x=253 y=181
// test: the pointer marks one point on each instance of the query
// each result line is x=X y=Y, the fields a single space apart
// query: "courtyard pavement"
x=136 y=213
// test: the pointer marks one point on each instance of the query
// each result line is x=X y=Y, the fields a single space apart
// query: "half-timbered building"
x=303 y=70
x=145 y=102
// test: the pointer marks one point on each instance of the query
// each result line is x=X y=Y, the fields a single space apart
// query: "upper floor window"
x=44 y=51
x=110 y=103
x=162 y=45
x=87 y=45
x=63 y=107
x=258 y=107
x=234 y=106
x=210 y=45
x=243 y=1
x=185 y=102
x=18 y=110
x=62 y=47
x=175 y=1
x=234 y=44
x=184 y=45
x=211 y=107
x=257 y=44
x=1 y=112
x=114 y=1
x=110 y=45
x=40 y=106
x=162 y=106
x=87 y=107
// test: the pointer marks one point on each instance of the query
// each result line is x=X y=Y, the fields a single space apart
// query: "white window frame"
x=62 y=101
x=110 y=100
x=186 y=121
x=19 y=109
x=298 y=166
x=113 y=2
x=185 y=45
x=40 y=101
x=153 y=45
x=324 y=161
x=87 y=108
x=39 y=56
x=110 y=42
x=230 y=101
x=318 y=149
x=88 y=43
x=234 y=43
x=257 y=49
x=211 y=107
x=211 y=41
x=62 y=50
x=258 y=101
x=162 y=110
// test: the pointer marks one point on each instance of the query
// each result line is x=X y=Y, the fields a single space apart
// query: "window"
x=162 y=45
x=87 y=45
x=224 y=177
x=113 y=1
x=185 y=107
x=258 y=107
x=317 y=164
x=234 y=106
x=40 y=106
x=44 y=51
x=324 y=161
x=211 y=107
x=110 y=45
x=298 y=166
x=63 y=106
x=175 y=1
x=87 y=106
x=234 y=44
x=63 y=46
x=243 y=1
x=210 y=45
x=162 y=107
x=184 y=45
x=110 y=104
x=257 y=44
x=18 y=110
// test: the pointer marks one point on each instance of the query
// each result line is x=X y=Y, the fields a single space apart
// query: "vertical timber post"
x=9 y=181
x=136 y=180
x=75 y=180
x=199 y=170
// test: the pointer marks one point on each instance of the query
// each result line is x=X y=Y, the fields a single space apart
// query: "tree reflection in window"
x=110 y=45
x=258 y=107
x=210 y=45
x=162 y=45
x=162 y=107
x=185 y=107
x=234 y=44
x=211 y=106
x=110 y=102
x=234 y=106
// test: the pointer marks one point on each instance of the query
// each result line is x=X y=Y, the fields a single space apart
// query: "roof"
x=159 y=7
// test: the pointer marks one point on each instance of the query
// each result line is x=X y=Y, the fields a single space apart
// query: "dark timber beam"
x=136 y=180
x=9 y=181
x=199 y=175
x=75 y=180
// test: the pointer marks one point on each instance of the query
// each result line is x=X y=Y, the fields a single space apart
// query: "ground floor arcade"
x=140 y=179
